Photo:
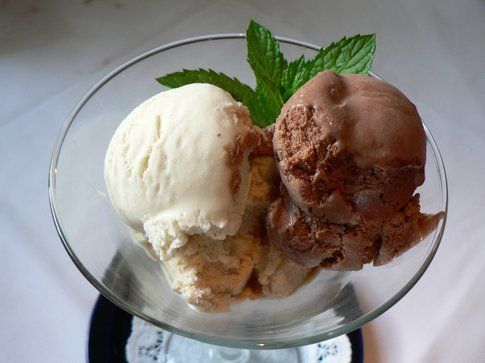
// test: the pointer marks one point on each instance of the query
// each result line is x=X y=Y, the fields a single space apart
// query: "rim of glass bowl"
x=249 y=344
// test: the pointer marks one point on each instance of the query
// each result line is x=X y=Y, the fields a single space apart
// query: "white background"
x=51 y=52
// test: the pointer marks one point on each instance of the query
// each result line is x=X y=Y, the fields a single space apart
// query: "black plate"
x=111 y=327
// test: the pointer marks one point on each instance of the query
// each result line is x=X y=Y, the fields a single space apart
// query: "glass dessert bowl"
x=102 y=246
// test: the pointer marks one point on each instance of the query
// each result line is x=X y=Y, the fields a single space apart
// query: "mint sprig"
x=276 y=78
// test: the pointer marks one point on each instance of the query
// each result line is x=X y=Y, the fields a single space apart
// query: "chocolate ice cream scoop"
x=351 y=151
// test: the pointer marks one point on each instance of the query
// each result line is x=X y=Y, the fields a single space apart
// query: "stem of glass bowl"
x=230 y=355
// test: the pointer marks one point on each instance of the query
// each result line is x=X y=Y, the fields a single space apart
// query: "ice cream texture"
x=178 y=166
x=351 y=152
x=179 y=171
x=211 y=275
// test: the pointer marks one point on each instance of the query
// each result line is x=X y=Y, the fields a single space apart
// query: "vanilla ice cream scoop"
x=178 y=166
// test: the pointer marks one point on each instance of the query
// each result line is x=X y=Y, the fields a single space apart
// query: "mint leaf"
x=239 y=91
x=236 y=88
x=292 y=77
x=348 y=55
x=271 y=109
x=267 y=61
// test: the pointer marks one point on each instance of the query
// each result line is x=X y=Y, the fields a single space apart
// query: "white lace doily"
x=149 y=344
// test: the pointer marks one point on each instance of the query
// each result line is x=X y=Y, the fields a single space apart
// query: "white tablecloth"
x=51 y=52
